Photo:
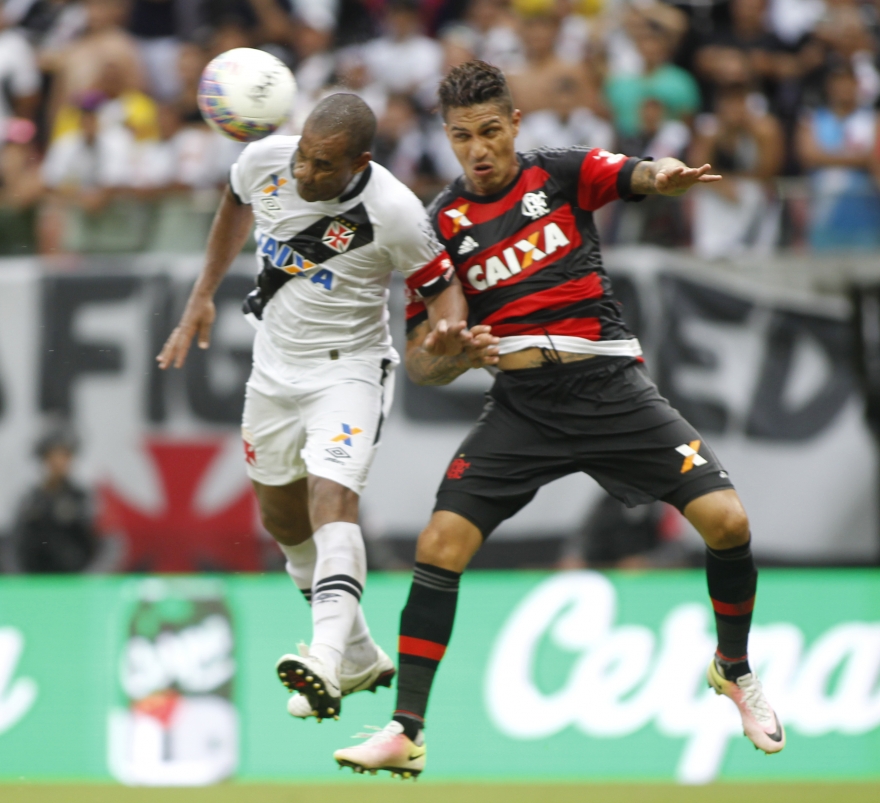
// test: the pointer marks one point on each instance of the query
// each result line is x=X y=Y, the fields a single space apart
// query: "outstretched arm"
x=229 y=232
x=669 y=176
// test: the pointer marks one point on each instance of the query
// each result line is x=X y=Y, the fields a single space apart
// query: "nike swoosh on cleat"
x=776 y=737
x=414 y=757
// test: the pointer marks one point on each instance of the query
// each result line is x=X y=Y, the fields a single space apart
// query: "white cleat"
x=369 y=678
x=307 y=675
x=387 y=749
x=760 y=723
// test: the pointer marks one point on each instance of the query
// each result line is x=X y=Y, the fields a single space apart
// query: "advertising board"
x=575 y=675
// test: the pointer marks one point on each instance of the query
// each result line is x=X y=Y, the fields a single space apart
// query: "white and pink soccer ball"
x=246 y=94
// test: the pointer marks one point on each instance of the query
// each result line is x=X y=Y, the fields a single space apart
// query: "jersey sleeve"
x=414 y=249
x=235 y=183
x=605 y=177
x=590 y=177
x=241 y=174
x=416 y=311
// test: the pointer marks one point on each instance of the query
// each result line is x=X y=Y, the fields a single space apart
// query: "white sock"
x=301 y=560
x=339 y=578
x=360 y=649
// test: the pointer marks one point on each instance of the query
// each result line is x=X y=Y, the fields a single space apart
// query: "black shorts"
x=603 y=416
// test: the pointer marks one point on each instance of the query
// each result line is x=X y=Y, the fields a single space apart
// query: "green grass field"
x=375 y=791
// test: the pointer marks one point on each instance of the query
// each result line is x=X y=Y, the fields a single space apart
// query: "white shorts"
x=323 y=418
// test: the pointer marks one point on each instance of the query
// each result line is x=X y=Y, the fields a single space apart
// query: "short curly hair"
x=472 y=83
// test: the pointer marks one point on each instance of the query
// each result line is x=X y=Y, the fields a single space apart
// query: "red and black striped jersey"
x=528 y=256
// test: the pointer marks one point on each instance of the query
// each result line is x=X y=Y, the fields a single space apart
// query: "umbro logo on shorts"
x=691 y=456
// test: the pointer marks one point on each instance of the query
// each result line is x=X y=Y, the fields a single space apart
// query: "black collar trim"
x=358 y=188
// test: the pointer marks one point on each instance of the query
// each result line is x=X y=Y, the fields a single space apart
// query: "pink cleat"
x=760 y=722
x=386 y=749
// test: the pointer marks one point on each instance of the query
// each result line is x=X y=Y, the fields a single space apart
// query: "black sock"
x=732 y=580
x=425 y=628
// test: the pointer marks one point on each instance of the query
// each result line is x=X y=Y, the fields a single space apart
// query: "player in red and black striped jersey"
x=572 y=394
x=528 y=255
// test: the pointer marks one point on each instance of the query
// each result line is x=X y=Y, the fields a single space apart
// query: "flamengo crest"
x=338 y=236
x=534 y=204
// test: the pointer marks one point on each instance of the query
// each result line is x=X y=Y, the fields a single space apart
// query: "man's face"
x=482 y=137
x=323 y=166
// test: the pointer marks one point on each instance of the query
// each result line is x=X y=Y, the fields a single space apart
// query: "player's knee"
x=285 y=530
x=331 y=501
x=729 y=527
x=449 y=547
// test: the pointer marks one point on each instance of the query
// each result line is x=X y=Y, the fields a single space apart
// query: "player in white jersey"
x=331 y=226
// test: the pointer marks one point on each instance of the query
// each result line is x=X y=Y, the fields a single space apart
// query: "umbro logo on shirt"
x=468 y=244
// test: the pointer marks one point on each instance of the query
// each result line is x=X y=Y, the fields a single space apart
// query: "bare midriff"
x=536 y=357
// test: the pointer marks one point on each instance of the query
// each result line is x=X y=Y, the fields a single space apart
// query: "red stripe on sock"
x=421 y=647
x=734 y=608
x=730 y=660
x=410 y=714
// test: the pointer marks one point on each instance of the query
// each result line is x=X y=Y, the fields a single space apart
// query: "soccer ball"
x=245 y=94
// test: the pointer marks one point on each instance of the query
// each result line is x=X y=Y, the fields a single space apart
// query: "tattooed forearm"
x=644 y=177
x=426 y=369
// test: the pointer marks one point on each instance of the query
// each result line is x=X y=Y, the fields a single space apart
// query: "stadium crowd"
x=103 y=147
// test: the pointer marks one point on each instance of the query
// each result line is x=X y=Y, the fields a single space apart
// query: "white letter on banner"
x=850 y=707
x=16 y=696
x=576 y=611
x=585 y=605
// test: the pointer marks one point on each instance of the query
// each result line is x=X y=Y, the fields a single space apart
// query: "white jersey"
x=325 y=266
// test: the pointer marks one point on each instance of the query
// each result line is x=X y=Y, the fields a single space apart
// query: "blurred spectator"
x=20 y=186
x=624 y=24
x=674 y=87
x=842 y=35
x=191 y=60
x=535 y=84
x=154 y=24
x=657 y=220
x=54 y=533
x=79 y=67
x=187 y=156
x=82 y=169
x=495 y=29
x=19 y=76
x=749 y=38
x=837 y=144
x=354 y=76
x=740 y=213
x=404 y=60
x=658 y=136
x=565 y=124
x=315 y=62
x=399 y=143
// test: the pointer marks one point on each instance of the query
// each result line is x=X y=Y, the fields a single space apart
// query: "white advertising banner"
x=767 y=377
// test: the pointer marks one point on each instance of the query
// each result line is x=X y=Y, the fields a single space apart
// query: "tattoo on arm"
x=427 y=369
x=644 y=176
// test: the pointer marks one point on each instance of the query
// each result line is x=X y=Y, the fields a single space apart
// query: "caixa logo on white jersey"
x=516 y=258
x=280 y=255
